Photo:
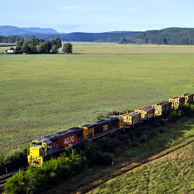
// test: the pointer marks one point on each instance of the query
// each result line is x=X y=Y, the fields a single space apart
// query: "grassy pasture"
x=115 y=48
x=42 y=94
x=2 y=49
x=170 y=174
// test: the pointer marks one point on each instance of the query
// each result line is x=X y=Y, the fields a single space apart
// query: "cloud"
x=82 y=8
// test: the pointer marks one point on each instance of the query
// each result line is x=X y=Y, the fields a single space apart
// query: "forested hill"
x=75 y=36
x=171 y=36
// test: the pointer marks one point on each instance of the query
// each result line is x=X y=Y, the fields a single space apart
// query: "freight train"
x=48 y=146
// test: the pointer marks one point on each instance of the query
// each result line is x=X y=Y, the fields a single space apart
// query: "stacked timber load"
x=147 y=112
x=162 y=108
x=131 y=118
x=177 y=102
x=188 y=97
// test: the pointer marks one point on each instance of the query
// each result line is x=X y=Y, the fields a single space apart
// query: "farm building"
x=10 y=51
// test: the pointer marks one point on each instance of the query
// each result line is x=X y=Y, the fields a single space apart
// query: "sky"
x=98 y=16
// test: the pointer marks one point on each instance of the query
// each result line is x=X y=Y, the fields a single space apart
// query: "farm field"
x=170 y=174
x=43 y=94
x=115 y=48
x=2 y=49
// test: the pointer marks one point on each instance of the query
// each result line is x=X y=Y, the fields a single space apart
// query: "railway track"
x=5 y=177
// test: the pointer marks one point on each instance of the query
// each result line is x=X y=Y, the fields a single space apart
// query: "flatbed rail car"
x=131 y=119
x=188 y=98
x=147 y=112
x=177 y=102
x=162 y=108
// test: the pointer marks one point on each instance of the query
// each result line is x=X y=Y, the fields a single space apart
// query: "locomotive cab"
x=38 y=150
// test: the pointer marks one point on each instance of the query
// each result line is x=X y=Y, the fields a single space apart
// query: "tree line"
x=41 y=46
x=35 y=45
x=169 y=36
x=11 y=39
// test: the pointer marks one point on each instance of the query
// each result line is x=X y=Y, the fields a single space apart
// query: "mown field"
x=42 y=94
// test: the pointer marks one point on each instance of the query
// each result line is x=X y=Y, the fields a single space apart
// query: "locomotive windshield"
x=36 y=145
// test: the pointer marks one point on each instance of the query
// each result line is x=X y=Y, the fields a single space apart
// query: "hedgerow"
x=49 y=174
x=14 y=161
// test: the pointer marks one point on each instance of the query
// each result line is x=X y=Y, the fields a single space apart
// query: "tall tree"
x=67 y=48
x=54 y=49
x=19 y=43
x=58 y=42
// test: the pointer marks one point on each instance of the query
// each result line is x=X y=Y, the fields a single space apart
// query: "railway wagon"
x=102 y=127
x=45 y=147
x=177 y=102
x=188 y=97
x=132 y=118
x=147 y=112
x=162 y=108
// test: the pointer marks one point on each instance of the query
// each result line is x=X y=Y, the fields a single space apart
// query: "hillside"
x=13 y=30
x=48 y=33
x=170 y=36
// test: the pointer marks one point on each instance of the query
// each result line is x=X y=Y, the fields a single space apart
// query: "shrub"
x=123 y=137
x=162 y=122
x=153 y=134
x=186 y=108
x=142 y=140
x=67 y=47
x=14 y=161
x=161 y=130
x=138 y=133
x=134 y=144
x=47 y=175
x=15 y=184
x=192 y=109
x=103 y=158
x=131 y=135
x=173 y=116
x=107 y=144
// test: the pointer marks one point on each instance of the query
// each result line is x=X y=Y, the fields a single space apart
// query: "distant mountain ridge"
x=13 y=30
x=49 y=33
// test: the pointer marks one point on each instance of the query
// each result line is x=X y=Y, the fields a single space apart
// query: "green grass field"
x=171 y=174
x=42 y=94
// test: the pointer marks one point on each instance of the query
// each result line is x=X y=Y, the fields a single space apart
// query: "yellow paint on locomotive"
x=88 y=133
x=105 y=127
x=36 y=153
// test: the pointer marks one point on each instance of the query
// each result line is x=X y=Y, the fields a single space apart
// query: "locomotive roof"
x=102 y=121
x=47 y=139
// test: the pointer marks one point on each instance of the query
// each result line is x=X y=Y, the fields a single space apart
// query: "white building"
x=10 y=51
